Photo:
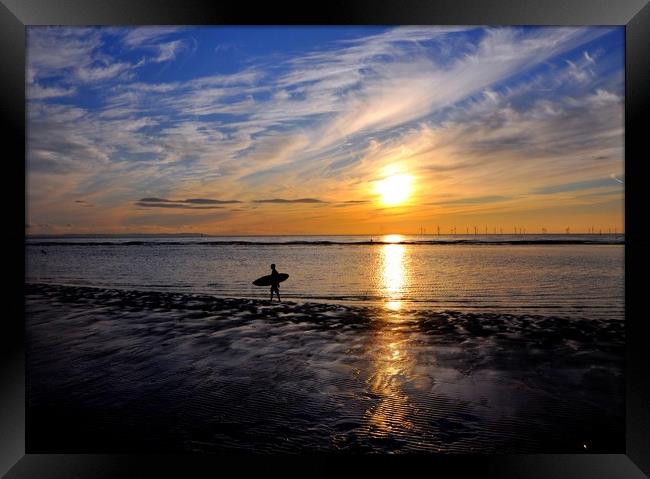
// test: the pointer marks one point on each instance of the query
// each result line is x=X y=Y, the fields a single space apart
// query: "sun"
x=395 y=189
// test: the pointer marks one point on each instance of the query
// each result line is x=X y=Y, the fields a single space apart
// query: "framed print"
x=391 y=237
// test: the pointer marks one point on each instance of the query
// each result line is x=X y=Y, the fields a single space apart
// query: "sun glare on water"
x=395 y=189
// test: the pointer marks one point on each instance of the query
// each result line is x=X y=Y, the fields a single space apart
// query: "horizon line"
x=328 y=234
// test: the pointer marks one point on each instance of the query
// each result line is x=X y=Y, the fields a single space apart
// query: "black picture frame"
x=15 y=15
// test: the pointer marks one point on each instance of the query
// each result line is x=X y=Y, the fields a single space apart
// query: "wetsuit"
x=275 y=285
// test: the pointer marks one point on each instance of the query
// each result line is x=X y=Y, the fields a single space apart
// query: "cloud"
x=68 y=54
x=93 y=74
x=156 y=200
x=168 y=51
x=407 y=89
x=80 y=55
x=579 y=74
x=37 y=92
x=52 y=50
x=317 y=83
x=300 y=200
x=140 y=36
x=145 y=204
x=581 y=185
x=344 y=204
x=475 y=200
x=209 y=201
x=191 y=203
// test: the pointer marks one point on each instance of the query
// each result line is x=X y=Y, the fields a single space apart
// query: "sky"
x=324 y=130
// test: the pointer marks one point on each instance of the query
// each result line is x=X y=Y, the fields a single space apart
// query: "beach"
x=134 y=369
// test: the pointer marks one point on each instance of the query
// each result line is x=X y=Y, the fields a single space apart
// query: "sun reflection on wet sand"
x=391 y=362
x=392 y=368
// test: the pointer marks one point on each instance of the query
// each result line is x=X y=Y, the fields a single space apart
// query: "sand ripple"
x=133 y=370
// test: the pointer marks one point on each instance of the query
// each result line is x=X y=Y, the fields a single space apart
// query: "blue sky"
x=218 y=127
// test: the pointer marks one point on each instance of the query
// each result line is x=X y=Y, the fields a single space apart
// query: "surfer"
x=274 y=279
x=275 y=283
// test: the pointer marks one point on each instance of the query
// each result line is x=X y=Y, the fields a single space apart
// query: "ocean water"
x=579 y=276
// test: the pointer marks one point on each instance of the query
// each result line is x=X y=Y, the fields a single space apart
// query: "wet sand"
x=123 y=371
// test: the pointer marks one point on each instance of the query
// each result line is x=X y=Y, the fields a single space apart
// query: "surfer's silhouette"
x=275 y=284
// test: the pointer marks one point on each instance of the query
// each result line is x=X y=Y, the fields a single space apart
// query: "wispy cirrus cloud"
x=150 y=35
x=580 y=185
x=70 y=55
x=38 y=92
x=156 y=40
x=168 y=51
x=80 y=54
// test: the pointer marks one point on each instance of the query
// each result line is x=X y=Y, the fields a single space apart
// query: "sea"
x=567 y=275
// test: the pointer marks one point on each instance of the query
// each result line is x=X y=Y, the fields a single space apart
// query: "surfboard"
x=268 y=280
